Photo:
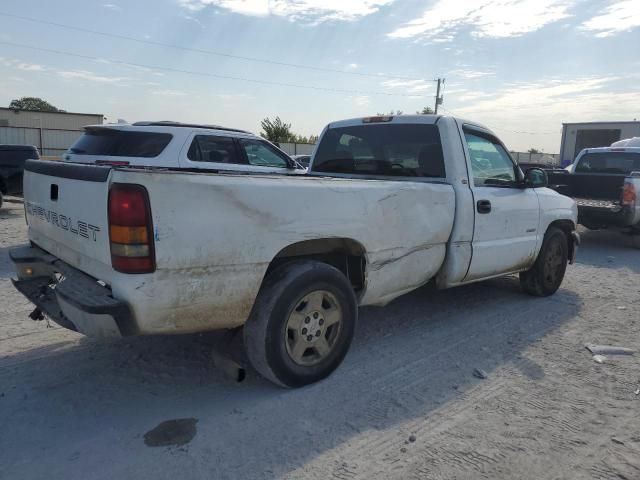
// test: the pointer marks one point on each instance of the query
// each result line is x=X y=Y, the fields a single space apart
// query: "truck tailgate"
x=66 y=211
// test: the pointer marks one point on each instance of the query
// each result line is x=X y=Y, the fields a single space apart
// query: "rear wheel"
x=1 y=199
x=302 y=323
x=547 y=273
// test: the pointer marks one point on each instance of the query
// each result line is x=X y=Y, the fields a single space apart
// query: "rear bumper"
x=605 y=215
x=69 y=297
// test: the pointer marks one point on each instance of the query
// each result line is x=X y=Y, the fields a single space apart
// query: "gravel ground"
x=405 y=404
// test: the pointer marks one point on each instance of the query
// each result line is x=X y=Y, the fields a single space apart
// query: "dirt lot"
x=405 y=404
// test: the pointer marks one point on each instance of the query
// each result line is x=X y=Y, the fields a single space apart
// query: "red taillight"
x=131 y=229
x=378 y=119
x=628 y=194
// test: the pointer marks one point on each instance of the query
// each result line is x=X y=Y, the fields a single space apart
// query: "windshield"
x=412 y=150
x=119 y=143
x=622 y=163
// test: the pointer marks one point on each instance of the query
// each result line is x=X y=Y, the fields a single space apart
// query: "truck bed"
x=587 y=185
x=216 y=234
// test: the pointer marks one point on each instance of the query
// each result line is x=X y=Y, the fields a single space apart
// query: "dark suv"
x=12 y=158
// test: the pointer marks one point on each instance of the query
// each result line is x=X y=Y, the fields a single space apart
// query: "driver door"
x=506 y=214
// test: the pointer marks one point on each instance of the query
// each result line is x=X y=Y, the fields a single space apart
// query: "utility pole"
x=438 y=97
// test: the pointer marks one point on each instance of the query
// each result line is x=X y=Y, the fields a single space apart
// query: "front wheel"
x=547 y=273
x=302 y=323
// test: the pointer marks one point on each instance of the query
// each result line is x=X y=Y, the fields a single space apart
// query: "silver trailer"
x=576 y=136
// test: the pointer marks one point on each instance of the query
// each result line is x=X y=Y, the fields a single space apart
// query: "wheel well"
x=345 y=254
x=568 y=227
x=3 y=187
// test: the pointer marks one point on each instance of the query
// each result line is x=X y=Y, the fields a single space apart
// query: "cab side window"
x=490 y=163
x=209 y=148
x=262 y=154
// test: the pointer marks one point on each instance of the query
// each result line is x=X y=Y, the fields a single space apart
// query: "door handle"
x=483 y=206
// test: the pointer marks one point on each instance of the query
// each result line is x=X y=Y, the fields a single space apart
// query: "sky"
x=521 y=67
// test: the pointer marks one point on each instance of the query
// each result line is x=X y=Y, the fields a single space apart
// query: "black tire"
x=547 y=273
x=267 y=332
x=1 y=199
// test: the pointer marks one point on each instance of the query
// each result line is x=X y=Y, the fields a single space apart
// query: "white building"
x=576 y=136
x=51 y=132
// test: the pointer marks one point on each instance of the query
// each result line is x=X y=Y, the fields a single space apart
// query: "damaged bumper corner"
x=69 y=297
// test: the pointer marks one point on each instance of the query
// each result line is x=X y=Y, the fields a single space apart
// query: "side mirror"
x=535 y=178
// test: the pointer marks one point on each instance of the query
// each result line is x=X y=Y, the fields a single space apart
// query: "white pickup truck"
x=389 y=204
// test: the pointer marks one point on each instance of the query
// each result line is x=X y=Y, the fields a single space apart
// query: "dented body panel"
x=210 y=277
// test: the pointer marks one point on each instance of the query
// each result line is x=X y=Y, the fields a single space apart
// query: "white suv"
x=181 y=146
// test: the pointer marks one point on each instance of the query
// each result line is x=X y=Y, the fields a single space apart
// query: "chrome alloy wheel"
x=313 y=327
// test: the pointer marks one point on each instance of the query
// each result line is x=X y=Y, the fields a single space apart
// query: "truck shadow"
x=408 y=360
x=608 y=249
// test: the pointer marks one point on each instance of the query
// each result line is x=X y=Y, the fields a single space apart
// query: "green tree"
x=426 y=111
x=533 y=150
x=276 y=130
x=33 y=103
x=391 y=113
x=303 y=139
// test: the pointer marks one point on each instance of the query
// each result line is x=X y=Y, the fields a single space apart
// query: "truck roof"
x=425 y=119
x=164 y=126
x=609 y=149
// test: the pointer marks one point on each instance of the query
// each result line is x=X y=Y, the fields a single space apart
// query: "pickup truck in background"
x=605 y=182
x=389 y=204
x=12 y=158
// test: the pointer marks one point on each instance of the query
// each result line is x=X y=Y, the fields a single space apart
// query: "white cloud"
x=27 y=67
x=362 y=100
x=310 y=10
x=408 y=86
x=233 y=96
x=525 y=113
x=485 y=18
x=90 y=76
x=193 y=19
x=618 y=17
x=112 y=6
x=30 y=67
x=470 y=74
x=169 y=93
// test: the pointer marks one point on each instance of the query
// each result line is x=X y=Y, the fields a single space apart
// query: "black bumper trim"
x=38 y=292
x=74 y=287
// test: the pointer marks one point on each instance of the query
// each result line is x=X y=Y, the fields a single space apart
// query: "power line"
x=207 y=74
x=206 y=52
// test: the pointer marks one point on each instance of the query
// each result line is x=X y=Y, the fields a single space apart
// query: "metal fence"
x=544 y=158
x=297 y=148
x=50 y=141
